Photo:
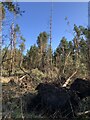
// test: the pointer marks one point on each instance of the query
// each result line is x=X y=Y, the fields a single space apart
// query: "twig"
x=24 y=70
x=6 y=60
x=22 y=77
x=83 y=113
x=71 y=108
x=22 y=116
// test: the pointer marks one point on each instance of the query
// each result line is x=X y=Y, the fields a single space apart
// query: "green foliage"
x=72 y=55
x=69 y=56
x=77 y=30
x=22 y=46
x=42 y=41
x=12 y=7
x=38 y=75
x=6 y=66
x=17 y=28
x=31 y=58
x=22 y=38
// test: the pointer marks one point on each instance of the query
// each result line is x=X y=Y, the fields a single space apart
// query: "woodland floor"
x=13 y=101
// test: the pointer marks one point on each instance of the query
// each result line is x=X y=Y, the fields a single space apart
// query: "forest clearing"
x=41 y=77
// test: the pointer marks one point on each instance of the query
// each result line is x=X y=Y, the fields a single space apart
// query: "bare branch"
x=83 y=113
x=69 y=79
x=6 y=60
x=3 y=58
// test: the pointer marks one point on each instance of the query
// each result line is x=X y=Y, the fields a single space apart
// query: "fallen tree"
x=58 y=102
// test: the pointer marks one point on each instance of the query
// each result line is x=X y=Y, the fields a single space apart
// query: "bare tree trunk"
x=0 y=61
x=14 y=53
x=65 y=62
x=88 y=39
x=11 y=45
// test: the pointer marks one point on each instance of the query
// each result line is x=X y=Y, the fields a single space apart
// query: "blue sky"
x=37 y=15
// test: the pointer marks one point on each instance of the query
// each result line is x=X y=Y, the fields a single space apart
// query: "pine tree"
x=42 y=45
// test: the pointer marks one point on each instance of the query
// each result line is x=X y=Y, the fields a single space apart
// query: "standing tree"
x=42 y=45
x=31 y=60
x=15 y=9
x=64 y=52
